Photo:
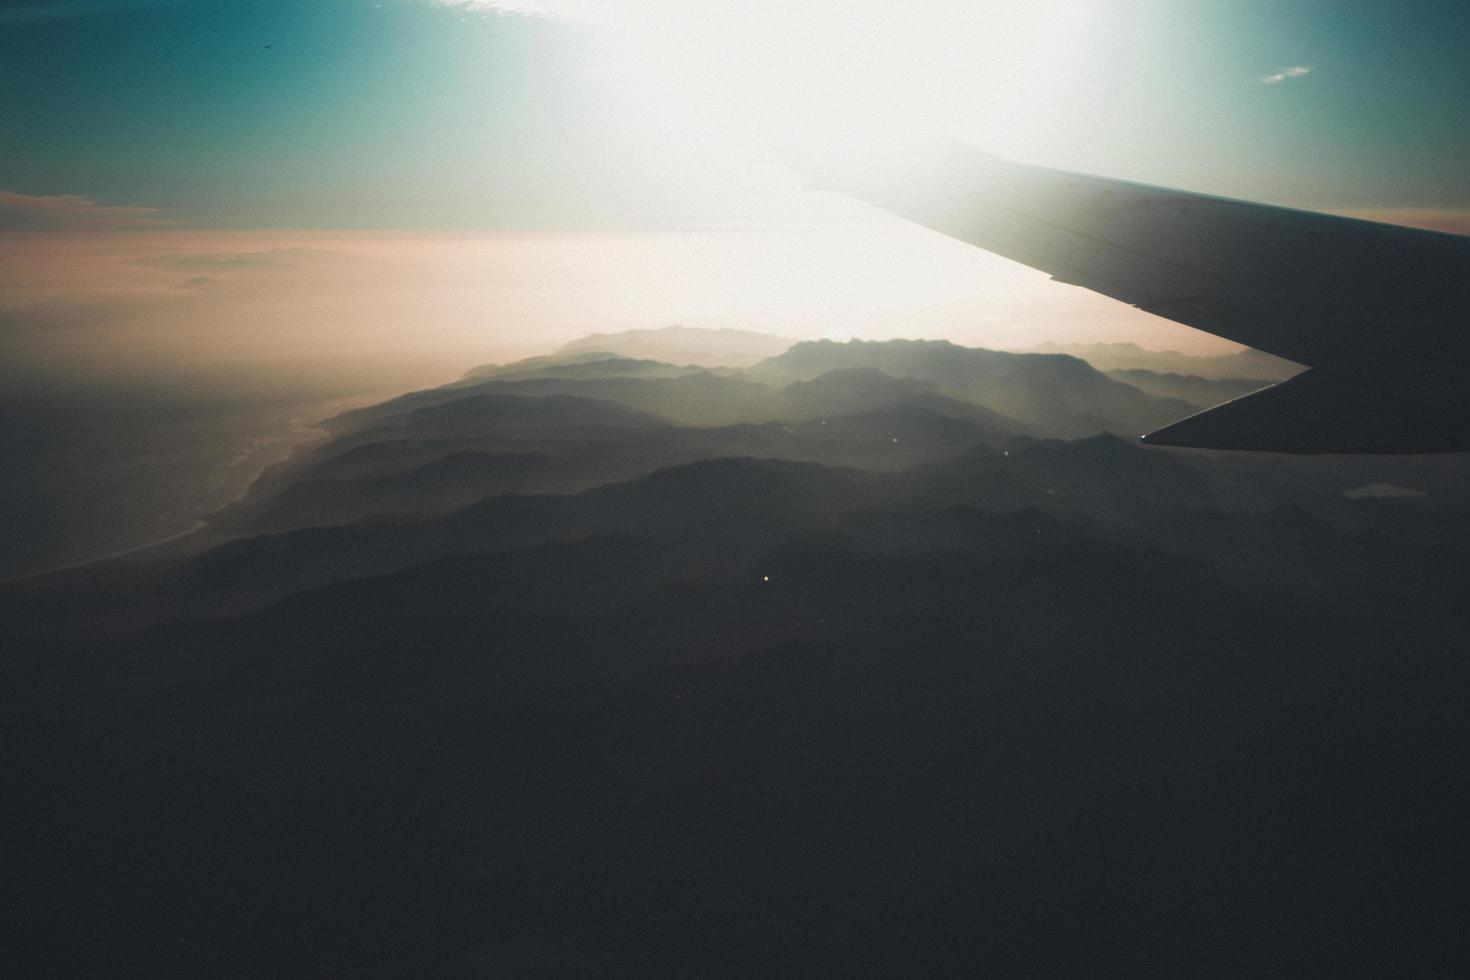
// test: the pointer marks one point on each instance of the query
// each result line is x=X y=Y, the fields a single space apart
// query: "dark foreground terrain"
x=869 y=659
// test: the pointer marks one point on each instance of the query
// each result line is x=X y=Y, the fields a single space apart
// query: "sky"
x=482 y=177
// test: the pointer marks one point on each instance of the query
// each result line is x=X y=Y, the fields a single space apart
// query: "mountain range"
x=685 y=345
x=1248 y=364
x=865 y=657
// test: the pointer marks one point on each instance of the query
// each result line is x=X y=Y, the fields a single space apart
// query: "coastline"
x=221 y=468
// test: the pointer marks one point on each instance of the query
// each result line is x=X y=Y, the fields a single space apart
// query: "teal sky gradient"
x=412 y=115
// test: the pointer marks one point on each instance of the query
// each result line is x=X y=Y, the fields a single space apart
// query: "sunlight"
x=998 y=74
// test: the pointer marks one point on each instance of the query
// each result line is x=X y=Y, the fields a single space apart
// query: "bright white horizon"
x=146 y=302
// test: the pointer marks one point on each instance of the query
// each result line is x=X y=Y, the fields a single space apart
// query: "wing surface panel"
x=1356 y=298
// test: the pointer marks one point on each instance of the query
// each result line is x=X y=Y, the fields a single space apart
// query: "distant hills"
x=678 y=349
x=1247 y=364
x=684 y=345
x=592 y=364
x=1054 y=394
x=551 y=425
x=1189 y=388
x=878 y=657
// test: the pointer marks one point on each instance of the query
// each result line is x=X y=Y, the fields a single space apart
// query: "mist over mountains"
x=685 y=345
x=866 y=657
x=1248 y=364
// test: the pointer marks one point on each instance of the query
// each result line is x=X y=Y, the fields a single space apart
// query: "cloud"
x=549 y=9
x=268 y=259
x=1286 y=74
x=1453 y=220
x=198 y=284
x=274 y=263
x=28 y=212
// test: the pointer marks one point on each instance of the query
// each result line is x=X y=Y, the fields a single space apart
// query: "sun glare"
x=997 y=75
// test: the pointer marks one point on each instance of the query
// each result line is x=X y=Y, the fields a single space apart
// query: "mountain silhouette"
x=684 y=345
x=1201 y=392
x=595 y=364
x=845 y=391
x=1249 y=364
x=844 y=663
x=1056 y=395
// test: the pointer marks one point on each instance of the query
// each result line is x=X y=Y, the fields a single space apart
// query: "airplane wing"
x=1380 y=313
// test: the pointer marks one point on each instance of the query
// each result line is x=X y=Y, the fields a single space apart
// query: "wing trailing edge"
x=1381 y=313
x=1317 y=413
